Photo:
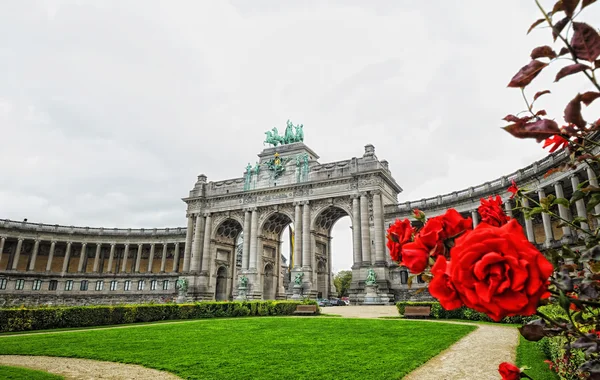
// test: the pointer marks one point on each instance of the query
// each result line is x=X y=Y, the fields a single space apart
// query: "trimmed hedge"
x=438 y=312
x=26 y=319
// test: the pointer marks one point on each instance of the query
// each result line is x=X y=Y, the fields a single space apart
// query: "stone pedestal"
x=297 y=292
x=242 y=294
x=372 y=296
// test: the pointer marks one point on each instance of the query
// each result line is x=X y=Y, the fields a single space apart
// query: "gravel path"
x=84 y=369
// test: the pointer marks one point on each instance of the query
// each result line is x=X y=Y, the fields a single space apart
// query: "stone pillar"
x=580 y=204
x=125 y=254
x=97 y=258
x=356 y=248
x=65 y=267
x=364 y=229
x=176 y=257
x=253 y=240
x=36 y=247
x=528 y=223
x=187 y=251
x=50 y=256
x=111 y=257
x=138 y=258
x=206 y=248
x=163 y=260
x=197 y=244
x=151 y=258
x=562 y=210
x=82 y=257
x=298 y=235
x=549 y=236
x=475 y=217
x=593 y=181
x=17 y=254
x=2 y=242
x=379 y=228
x=246 y=243
x=306 y=253
x=508 y=208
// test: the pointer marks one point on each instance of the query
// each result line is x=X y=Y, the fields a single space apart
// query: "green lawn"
x=18 y=373
x=257 y=348
x=529 y=354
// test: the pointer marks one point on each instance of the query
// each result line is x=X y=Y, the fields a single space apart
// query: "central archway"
x=273 y=266
x=225 y=250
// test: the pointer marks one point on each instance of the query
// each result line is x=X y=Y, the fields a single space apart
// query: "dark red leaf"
x=585 y=3
x=569 y=6
x=571 y=69
x=597 y=64
x=536 y=23
x=585 y=42
x=588 y=97
x=540 y=93
x=543 y=52
x=573 y=112
x=541 y=113
x=539 y=130
x=558 y=7
x=558 y=27
x=516 y=119
x=563 y=51
x=527 y=73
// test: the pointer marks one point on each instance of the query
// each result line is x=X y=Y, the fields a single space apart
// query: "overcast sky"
x=110 y=109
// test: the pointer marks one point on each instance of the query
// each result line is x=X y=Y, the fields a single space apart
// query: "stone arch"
x=326 y=217
x=221 y=284
x=267 y=218
x=274 y=223
x=227 y=230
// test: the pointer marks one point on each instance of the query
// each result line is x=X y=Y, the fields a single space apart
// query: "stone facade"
x=52 y=264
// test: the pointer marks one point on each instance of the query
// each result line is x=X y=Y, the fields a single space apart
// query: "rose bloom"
x=441 y=286
x=415 y=256
x=441 y=228
x=491 y=211
x=509 y=371
x=496 y=271
x=398 y=234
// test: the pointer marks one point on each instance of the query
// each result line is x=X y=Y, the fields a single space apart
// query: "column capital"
x=21 y=239
x=113 y=244
x=83 y=244
x=152 y=244
x=53 y=242
x=69 y=242
x=363 y=193
x=375 y=192
x=206 y=214
x=37 y=240
x=354 y=196
x=305 y=203
x=297 y=204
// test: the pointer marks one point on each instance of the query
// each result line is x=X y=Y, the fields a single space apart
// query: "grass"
x=529 y=354
x=14 y=373
x=262 y=348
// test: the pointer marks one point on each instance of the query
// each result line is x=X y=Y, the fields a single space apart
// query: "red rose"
x=496 y=271
x=513 y=189
x=438 y=229
x=491 y=211
x=398 y=234
x=415 y=256
x=441 y=287
x=454 y=224
x=509 y=371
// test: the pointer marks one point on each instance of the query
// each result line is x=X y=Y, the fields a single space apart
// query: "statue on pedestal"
x=371 y=277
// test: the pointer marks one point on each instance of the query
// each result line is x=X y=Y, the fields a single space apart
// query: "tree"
x=342 y=282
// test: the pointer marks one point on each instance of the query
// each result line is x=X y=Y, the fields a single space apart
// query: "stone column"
x=65 y=267
x=475 y=217
x=206 y=248
x=246 y=243
x=97 y=258
x=298 y=235
x=17 y=254
x=50 y=256
x=365 y=232
x=2 y=242
x=125 y=254
x=379 y=228
x=197 y=244
x=580 y=204
x=549 y=236
x=528 y=223
x=82 y=257
x=176 y=257
x=138 y=258
x=163 y=260
x=187 y=251
x=356 y=251
x=508 y=208
x=562 y=210
x=306 y=253
x=253 y=240
x=111 y=257
x=151 y=258
x=36 y=247
x=593 y=181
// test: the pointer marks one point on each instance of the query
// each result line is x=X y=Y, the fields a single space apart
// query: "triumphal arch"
x=234 y=226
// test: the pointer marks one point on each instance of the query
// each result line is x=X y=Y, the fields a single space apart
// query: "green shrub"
x=25 y=319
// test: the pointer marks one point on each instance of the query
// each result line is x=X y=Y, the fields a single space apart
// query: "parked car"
x=323 y=302
x=337 y=302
